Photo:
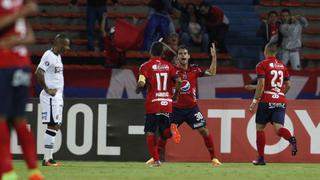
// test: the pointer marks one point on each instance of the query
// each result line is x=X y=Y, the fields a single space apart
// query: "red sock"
x=161 y=145
x=285 y=133
x=209 y=143
x=162 y=141
x=261 y=142
x=5 y=154
x=27 y=143
x=152 y=146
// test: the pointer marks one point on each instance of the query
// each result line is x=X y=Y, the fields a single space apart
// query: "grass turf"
x=80 y=170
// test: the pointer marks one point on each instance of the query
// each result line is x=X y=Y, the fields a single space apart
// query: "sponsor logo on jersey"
x=185 y=86
x=58 y=69
x=160 y=67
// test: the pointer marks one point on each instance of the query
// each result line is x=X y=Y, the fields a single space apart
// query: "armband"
x=142 y=78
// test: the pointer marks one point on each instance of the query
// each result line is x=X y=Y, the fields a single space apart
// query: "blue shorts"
x=270 y=112
x=192 y=116
x=154 y=122
x=14 y=91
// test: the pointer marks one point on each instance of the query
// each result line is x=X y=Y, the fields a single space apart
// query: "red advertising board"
x=233 y=130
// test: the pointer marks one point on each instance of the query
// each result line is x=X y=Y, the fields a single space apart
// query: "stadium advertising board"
x=228 y=83
x=233 y=128
x=112 y=130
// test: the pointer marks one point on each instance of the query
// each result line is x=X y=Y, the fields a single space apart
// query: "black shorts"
x=154 y=122
x=14 y=91
x=192 y=116
x=270 y=112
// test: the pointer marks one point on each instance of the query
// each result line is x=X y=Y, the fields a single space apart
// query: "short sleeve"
x=45 y=61
x=260 y=71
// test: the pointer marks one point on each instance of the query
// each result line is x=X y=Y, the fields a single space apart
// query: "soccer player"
x=185 y=109
x=273 y=84
x=50 y=76
x=159 y=76
x=15 y=76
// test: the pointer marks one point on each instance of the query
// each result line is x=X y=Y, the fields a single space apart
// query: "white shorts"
x=51 y=108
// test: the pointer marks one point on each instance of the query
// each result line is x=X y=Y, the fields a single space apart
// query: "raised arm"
x=213 y=67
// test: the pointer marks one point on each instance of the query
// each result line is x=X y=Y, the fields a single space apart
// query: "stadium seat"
x=122 y=2
x=312 y=44
x=312 y=4
x=129 y=54
x=55 y=27
x=269 y=3
x=312 y=31
x=311 y=57
x=292 y=3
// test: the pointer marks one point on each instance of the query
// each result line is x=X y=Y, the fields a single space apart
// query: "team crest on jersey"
x=185 y=86
x=271 y=65
x=46 y=63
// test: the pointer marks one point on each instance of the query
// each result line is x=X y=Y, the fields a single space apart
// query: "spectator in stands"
x=268 y=28
x=159 y=22
x=217 y=24
x=192 y=29
x=289 y=38
x=95 y=11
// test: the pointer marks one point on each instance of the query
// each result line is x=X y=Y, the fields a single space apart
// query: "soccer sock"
x=152 y=146
x=209 y=144
x=5 y=155
x=162 y=141
x=27 y=143
x=49 y=140
x=285 y=133
x=161 y=145
x=261 y=142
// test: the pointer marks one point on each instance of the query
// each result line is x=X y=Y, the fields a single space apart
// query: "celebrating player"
x=159 y=76
x=50 y=76
x=185 y=109
x=15 y=76
x=273 y=84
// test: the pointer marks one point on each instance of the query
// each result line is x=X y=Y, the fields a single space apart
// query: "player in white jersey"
x=50 y=76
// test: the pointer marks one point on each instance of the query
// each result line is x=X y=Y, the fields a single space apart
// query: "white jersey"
x=52 y=106
x=52 y=65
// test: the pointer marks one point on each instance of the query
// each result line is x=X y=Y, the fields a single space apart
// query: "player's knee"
x=260 y=127
x=203 y=131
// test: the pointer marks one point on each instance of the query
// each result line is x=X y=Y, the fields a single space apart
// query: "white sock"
x=49 y=140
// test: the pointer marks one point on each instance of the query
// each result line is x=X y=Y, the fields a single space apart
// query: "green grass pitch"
x=83 y=170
